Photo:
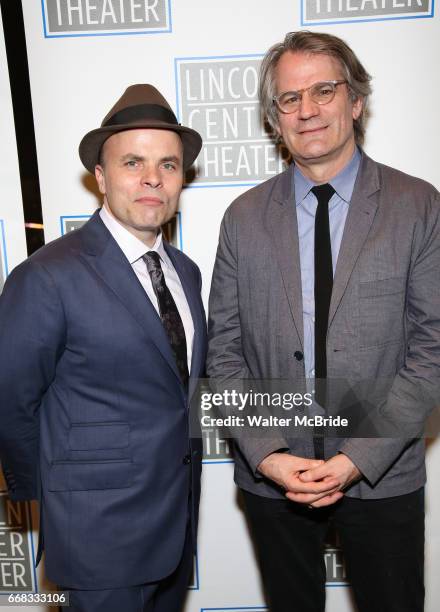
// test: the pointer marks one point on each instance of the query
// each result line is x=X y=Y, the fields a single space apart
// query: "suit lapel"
x=104 y=256
x=192 y=294
x=361 y=213
x=283 y=225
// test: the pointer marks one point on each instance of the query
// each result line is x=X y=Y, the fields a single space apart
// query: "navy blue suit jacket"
x=93 y=415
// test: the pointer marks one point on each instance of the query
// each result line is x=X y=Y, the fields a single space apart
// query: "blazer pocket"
x=381 y=311
x=386 y=286
x=98 y=436
x=90 y=475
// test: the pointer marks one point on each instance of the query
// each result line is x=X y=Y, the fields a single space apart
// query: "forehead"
x=296 y=70
x=151 y=142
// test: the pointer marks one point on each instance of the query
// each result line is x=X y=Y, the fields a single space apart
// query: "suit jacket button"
x=186 y=459
x=299 y=355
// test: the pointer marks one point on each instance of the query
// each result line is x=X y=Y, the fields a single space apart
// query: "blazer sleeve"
x=416 y=388
x=225 y=352
x=32 y=331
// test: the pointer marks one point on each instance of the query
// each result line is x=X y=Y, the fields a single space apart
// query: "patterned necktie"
x=169 y=314
x=323 y=294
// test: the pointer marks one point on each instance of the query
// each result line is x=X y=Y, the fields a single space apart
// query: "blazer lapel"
x=361 y=213
x=104 y=256
x=283 y=225
x=192 y=294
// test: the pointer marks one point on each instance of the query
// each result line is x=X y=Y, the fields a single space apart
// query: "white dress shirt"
x=134 y=250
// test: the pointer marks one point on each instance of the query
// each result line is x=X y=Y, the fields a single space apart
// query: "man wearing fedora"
x=103 y=336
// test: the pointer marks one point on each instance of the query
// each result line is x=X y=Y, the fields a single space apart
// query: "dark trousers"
x=167 y=595
x=382 y=542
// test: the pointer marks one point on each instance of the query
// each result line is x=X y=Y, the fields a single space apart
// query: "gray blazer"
x=384 y=314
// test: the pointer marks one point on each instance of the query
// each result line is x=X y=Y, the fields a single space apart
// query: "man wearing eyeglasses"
x=331 y=271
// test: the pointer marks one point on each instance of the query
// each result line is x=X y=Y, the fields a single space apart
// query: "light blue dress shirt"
x=306 y=205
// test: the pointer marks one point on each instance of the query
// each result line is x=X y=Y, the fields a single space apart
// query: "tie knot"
x=323 y=193
x=152 y=259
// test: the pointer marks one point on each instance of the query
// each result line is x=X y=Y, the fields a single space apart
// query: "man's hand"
x=340 y=469
x=286 y=471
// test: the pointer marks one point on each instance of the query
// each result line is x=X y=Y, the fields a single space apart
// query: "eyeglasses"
x=320 y=93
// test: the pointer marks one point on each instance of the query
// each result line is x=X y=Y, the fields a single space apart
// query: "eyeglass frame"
x=335 y=83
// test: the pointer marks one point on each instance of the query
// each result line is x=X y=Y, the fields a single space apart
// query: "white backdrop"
x=203 y=57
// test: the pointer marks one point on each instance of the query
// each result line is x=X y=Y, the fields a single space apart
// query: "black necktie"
x=323 y=294
x=169 y=314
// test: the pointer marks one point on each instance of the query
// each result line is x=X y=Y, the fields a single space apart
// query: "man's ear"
x=277 y=133
x=357 y=108
x=100 y=178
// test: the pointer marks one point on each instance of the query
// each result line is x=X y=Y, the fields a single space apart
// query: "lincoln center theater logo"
x=16 y=552
x=314 y=12
x=194 y=584
x=70 y=223
x=3 y=258
x=101 y=17
x=215 y=448
x=218 y=97
x=334 y=560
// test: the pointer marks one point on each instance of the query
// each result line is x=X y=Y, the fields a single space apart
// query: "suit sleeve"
x=32 y=330
x=225 y=352
x=416 y=388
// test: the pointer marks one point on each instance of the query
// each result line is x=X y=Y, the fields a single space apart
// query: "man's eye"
x=324 y=90
x=169 y=166
x=291 y=98
x=131 y=163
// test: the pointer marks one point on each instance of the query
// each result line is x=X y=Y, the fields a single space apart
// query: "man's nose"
x=151 y=177
x=307 y=108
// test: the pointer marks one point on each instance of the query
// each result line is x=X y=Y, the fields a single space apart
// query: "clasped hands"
x=312 y=482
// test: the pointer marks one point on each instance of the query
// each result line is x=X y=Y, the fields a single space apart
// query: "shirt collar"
x=342 y=183
x=132 y=247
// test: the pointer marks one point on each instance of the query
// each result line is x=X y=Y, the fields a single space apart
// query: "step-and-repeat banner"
x=204 y=57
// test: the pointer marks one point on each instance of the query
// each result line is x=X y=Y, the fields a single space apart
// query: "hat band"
x=141 y=112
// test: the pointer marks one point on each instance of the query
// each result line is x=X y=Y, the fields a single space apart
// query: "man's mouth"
x=149 y=200
x=313 y=130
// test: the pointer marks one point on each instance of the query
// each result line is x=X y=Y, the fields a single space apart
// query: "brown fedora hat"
x=140 y=106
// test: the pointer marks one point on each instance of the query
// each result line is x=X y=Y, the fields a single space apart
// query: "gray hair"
x=358 y=79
